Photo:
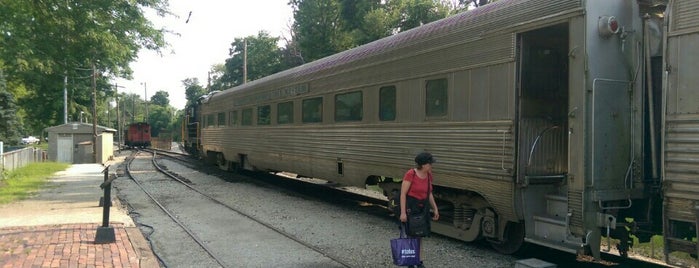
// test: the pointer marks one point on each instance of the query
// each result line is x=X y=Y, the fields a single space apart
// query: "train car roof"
x=498 y=16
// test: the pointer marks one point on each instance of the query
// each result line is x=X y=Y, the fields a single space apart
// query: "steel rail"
x=261 y=222
x=187 y=230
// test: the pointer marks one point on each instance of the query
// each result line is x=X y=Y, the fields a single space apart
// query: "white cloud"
x=203 y=42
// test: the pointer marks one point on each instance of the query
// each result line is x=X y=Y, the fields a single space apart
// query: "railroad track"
x=237 y=212
x=287 y=181
x=332 y=193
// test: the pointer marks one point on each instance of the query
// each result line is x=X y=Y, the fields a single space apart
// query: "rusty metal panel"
x=681 y=180
x=679 y=208
x=681 y=122
x=575 y=206
x=686 y=15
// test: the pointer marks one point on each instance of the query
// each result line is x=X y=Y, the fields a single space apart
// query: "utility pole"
x=245 y=61
x=65 y=97
x=133 y=108
x=118 y=117
x=145 y=97
x=94 y=114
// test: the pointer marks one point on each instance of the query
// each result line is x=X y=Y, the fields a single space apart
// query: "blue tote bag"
x=406 y=250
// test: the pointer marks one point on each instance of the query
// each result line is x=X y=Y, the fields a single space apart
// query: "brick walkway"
x=69 y=245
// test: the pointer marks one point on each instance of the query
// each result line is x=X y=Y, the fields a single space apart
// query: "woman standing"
x=416 y=191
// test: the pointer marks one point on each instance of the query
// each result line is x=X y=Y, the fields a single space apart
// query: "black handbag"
x=418 y=214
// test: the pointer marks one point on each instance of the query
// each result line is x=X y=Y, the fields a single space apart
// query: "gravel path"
x=357 y=237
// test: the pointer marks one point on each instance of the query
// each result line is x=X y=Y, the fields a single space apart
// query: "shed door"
x=65 y=149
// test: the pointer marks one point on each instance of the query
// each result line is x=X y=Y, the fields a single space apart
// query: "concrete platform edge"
x=142 y=247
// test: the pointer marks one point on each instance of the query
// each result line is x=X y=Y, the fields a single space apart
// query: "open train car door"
x=681 y=128
x=543 y=133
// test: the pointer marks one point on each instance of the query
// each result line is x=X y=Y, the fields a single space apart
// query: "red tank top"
x=418 y=186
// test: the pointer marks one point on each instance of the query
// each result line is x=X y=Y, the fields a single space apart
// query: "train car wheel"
x=513 y=240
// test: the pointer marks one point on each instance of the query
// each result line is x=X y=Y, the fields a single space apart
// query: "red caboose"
x=138 y=135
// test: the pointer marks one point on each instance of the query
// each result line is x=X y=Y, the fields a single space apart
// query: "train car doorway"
x=543 y=109
x=542 y=148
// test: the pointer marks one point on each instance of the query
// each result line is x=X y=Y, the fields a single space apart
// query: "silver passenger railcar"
x=547 y=119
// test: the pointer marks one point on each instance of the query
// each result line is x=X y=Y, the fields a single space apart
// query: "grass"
x=654 y=249
x=21 y=183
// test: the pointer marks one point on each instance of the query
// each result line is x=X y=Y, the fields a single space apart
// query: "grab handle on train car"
x=618 y=207
x=502 y=159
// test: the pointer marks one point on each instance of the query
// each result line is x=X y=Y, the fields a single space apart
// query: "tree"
x=176 y=125
x=161 y=98
x=214 y=80
x=193 y=90
x=264 y=57
x=413 y=13
x=361 y=20
x=10 y=127
x=43 y=42
x=325 y=27
x=159 y=118
x=132 y=108
x=319 y=29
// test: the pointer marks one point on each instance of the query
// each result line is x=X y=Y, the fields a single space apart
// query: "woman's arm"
x=435 y=210
x=404 y=188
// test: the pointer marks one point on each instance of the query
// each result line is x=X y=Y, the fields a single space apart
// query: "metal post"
x=145 y=98
x=105 y=233
x=65 y=97
x=94 y=114
x=245 y=61
x=107 y=199
x=118 y=117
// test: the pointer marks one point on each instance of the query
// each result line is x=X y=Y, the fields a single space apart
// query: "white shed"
x=72 y=143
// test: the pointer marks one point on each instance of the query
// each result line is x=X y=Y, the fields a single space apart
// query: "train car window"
x=247 y=117
x=221 y=119
x=285 y=112
x=312 y=110
x=348 y=107
x=264 y=116
x=436 y=97
x=387 y=103
x=209 y=120
x=233 y=118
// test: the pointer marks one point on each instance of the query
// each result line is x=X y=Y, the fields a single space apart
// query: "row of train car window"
x=348 y=107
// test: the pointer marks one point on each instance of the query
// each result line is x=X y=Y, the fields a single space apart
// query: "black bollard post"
x=105 y=179
x=105 y=233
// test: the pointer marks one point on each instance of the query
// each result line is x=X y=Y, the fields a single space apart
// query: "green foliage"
x=413 y=13
x=161 y=98
x=319 y=28
x=42 y=42
x=264 y=58
x=10 y=128
x=176 y=125
x=132 y=108
x=22 y=182
x=215 y=82
x=325 y=27
x=193 y=90
x=159 y=118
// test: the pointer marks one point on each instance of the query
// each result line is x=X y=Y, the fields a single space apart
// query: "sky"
x=202 y=42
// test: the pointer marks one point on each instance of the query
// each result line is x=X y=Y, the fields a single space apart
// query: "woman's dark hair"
x=424 y=158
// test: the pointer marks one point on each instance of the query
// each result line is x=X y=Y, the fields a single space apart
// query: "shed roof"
x=77 y=127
